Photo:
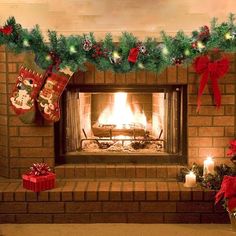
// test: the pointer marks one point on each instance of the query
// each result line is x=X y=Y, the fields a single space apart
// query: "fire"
x=121 y=114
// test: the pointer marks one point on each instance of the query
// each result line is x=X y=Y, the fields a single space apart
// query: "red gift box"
x=39 y=183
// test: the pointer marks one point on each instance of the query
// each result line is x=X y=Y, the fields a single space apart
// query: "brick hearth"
x=109 y=201
x=121 y=171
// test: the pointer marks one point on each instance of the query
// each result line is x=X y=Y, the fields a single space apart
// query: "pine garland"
x=73 y=52
x=210 y=181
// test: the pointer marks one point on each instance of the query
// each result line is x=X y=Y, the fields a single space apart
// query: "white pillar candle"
x=190 y=180
x=208 y=166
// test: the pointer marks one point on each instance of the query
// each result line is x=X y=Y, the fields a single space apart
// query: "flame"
x=121 y=114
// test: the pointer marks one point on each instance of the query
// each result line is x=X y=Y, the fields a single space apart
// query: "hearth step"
x=119 y=171
x=74 y=201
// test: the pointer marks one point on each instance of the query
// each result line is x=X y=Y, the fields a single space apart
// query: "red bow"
x=39 y=169
x=213 y=70
x=133 y=54
x=7 y=30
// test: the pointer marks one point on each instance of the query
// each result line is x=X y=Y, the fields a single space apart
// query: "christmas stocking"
x=49 y=96
x=24 y=94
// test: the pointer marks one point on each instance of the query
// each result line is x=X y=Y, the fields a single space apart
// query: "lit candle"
x=190 y=180
x=208 y=166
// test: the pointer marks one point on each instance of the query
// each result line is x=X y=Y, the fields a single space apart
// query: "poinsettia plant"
x=232 y=150
x=227 y=193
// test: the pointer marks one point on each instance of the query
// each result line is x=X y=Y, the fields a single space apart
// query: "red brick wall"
x=208 y=132
x=21 y=144
x=4 y=162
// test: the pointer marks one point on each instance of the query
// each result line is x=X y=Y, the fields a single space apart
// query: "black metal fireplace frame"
x=180 y=158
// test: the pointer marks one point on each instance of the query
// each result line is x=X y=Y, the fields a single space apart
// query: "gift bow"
x=213 y=70
x=39 y=169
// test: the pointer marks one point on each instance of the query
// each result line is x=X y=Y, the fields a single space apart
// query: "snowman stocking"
x=49 y=96
x=24 y=94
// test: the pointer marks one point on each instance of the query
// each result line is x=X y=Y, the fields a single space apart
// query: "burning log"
x=131 y=130
x=139 y=145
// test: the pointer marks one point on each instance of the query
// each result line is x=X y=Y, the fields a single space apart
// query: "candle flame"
x=209 y=158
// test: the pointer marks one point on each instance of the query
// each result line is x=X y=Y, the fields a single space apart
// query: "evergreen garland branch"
x=172 y=50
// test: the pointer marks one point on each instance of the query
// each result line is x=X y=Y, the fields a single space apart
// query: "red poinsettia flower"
x=232 y=148
x=227 y=192
x=231 y=204
x=7 y=30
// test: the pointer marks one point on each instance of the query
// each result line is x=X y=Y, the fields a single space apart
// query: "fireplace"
x=138 y=124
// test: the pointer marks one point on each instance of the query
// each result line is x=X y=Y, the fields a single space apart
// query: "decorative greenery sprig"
x=75 y=51
x=210 y=181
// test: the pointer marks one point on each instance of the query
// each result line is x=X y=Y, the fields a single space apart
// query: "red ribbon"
x=39 y=169
x=133 y=54
x=213 y=70
x=7 y=30
x=56 y=61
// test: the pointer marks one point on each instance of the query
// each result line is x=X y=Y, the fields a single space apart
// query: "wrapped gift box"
x=39 y=183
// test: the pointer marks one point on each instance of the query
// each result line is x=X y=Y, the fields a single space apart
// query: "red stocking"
x=49 y=96
x=24 y=94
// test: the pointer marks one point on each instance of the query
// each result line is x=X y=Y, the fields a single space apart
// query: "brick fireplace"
x=208 y=132
x=96 y=191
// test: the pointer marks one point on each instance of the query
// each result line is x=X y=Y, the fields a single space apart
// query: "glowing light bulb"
x=165 y=51
x=228 y=36
x=140 y=65
x=72 y=49
x=26 y=43
x=48 y=58
x=186 y=52
x=115 y=55
x=200 y=45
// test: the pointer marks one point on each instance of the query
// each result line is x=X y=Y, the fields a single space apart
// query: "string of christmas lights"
x=129 y=54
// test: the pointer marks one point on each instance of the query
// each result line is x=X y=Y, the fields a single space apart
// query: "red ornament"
x=7 y=30
x=178 y=61
x=204 y=33
x=213 y=70
x=194 y=45
x=133 y=55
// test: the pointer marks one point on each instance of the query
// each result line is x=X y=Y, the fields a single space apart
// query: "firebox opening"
x=123 y=123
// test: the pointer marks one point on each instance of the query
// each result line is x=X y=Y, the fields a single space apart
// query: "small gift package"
x=39 y=178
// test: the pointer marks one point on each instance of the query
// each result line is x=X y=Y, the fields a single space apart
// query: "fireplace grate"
x=137 y=142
